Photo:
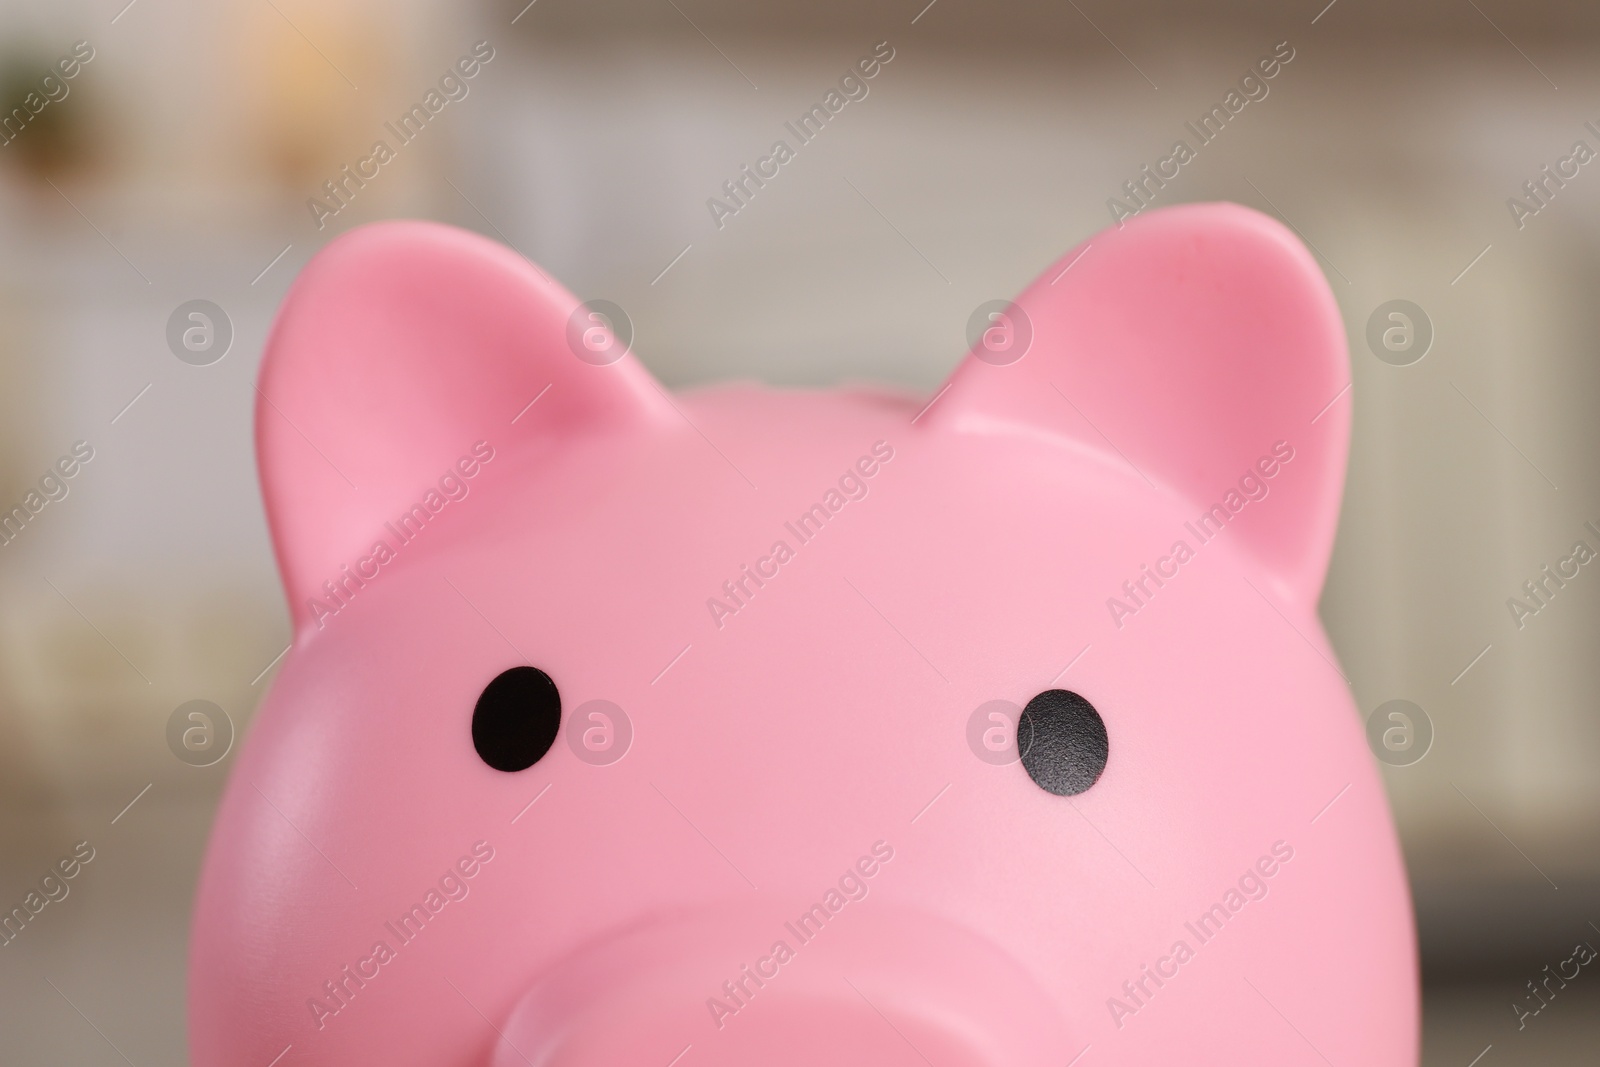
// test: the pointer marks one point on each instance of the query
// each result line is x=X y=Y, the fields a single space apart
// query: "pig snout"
x=756 y=986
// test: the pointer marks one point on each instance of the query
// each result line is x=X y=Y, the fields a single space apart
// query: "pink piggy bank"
x=745 y=726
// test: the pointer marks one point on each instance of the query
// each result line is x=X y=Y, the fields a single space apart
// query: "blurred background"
x=178 y=160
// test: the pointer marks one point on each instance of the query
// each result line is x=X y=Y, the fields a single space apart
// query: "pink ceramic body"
x=823 y=727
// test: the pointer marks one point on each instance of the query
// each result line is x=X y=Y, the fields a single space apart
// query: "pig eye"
x=516 y=719
x=1062 y=741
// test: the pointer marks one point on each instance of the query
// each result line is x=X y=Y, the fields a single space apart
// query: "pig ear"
x=1191 y=340
x=400 y=347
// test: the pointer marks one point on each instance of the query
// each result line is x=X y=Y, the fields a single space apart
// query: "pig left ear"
x=403 y=348
x=1192 y=341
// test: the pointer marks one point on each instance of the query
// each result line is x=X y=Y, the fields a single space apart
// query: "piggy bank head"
x=993 y=727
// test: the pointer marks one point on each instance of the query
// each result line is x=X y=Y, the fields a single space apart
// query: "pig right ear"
x=400 y=347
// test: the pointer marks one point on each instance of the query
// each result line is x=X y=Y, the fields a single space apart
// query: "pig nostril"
x=516 y=719
x=1062 y=741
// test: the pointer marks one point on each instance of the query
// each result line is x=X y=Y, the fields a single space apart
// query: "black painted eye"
x=516 y=719
x=1062 y=741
